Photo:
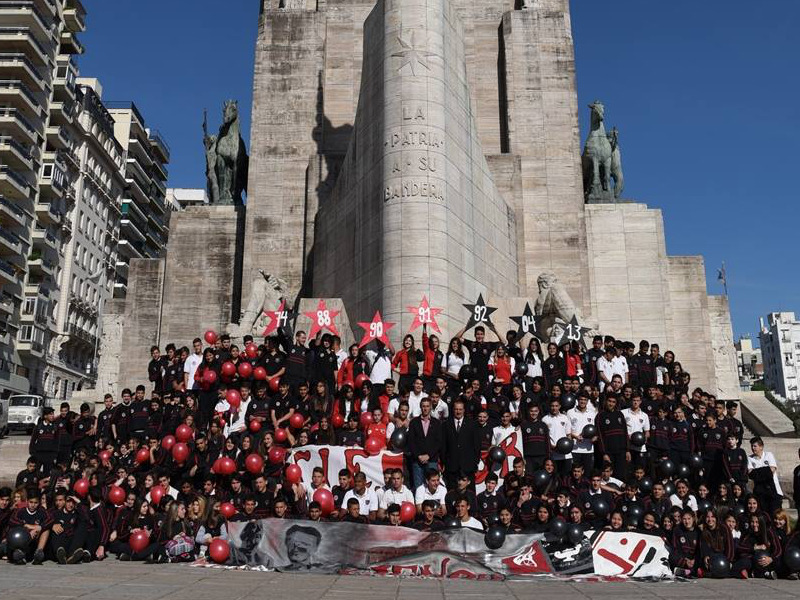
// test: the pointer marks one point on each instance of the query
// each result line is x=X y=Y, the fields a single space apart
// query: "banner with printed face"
x=332 y=459
x=458 y=553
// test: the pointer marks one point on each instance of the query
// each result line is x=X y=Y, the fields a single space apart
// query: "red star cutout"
x=376 y=330
x=424 y=315
x=277 y=318
x=322 y=318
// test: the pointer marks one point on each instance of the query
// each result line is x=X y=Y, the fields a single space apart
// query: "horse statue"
x=226 y=158
x=266 y=294
x=596 y=159
x=616 y=163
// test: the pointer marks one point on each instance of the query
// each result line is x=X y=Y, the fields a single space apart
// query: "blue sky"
x=704 y=95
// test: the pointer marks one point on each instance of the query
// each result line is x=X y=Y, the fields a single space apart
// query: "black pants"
x=563 y=466
x=117 y=547
x=69 y=540
x=618 y=463
x=533 y=463
x=586 y=460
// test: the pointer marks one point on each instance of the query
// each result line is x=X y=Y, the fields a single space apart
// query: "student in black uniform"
x=44 y=442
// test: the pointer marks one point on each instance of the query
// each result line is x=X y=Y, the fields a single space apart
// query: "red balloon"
x=227 y=466
x=274 y=384
x=255 y=426
x=361 y=380
x=245 y=370
x=227 y=510
x=104 y=456
x=219 y=550
x=234 y=398
x=228 y=369
x=167 y=442
x=337 y=420
x=81 y=487
x=280 y=435
x=254 y=463
x=276 y=455
x=139 y=540
x=183 y=433
x=157 y=494
x=142 y=456
x=297 y=420
x=210 y=376
x=348 y=382
x=407 y=512
x=210 y=337
x=260 y=373
x=294 y=474
x=180 y=452
x=373 y=445
x=365 y=419
x=116 y=495
x=251 y=350
x=325 y=499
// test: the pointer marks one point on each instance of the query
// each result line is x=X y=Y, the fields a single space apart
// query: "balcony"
x=128 y=250
x=131 y=210
x=13 y=212
x=160 y=146
x=11 y=244
x=13 y=121
x=8 y=305
x=61 y=112
x=13 y=184
x=58 y=138
x=37 y=289
x=14 y=154
x=14 y=93
x=42 y=267
x=19 y=66
x=130 y=230
x=10 y=274
x=44 y=238
x=157 y=221
x=31 y=348
x=75 y=16
x=47 y=214
x=81 y=336
x=160 y=171
x=26 y=13
x=70 y=44
x=22 y=39
x=64 y=82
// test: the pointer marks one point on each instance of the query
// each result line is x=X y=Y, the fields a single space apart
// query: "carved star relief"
x=411 y=56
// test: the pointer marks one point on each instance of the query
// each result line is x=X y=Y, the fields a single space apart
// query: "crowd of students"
x=611 y=438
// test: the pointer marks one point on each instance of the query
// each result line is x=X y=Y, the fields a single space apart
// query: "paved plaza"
x=113 y=580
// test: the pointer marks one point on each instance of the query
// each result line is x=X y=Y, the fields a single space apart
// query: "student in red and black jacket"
x=406 y=363
x=681 y=439
x=354 y=365
x=759 y=551
x=612 y=436
x=685 y=551
x=97 y=521
x=432 y=359
x=715 y=539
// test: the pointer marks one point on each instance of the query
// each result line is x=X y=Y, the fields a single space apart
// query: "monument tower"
x=401 y=148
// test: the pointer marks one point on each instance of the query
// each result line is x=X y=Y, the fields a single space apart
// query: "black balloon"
x=703 y=506
x=720 y=566
x=451 y=522
x=632 y=521
x=575 y=534
x=589 y=431
x=669 y=489
x=645 y=485
x=683 y=471
x=739 y=511
x=564 y=445
x=399 y=438
x=18 y=538
x=599 y=506
x=791 y=557
x=493 y=519
x=522 y=368
x=696 y=462
x=666 y=467
x=567 y=402
x=558 y=527
x=636 y=511
x=637 y=438
x=497 y=455
x=495 y=537
x=540 y=479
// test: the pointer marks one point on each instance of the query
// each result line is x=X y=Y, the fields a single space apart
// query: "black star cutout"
x=573 y=332
x=411 y=56
x=479 y=313
x=528 y=323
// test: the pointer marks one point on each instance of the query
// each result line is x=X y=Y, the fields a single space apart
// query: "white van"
x=24 y=411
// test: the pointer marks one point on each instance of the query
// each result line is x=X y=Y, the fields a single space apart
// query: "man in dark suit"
x=424 y=443
x=461 y=450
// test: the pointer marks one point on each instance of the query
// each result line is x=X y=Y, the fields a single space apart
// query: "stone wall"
x=724 y=353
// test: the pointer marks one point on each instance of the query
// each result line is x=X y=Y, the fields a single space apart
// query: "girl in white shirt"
x=457 y=356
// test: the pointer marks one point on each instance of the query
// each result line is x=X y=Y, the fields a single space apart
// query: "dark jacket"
x=419 y=443
x=461 y=451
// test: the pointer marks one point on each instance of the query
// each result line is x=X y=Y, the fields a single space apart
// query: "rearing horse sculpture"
x=596 y=157
x=226 y=159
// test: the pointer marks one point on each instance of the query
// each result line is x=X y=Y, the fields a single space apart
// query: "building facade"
x=748 y=359
x=38 y=40
x=780 y=349
x=144 y=226
x=183 y=198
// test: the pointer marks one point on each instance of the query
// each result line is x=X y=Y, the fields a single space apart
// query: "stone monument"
x=402 y=148
x=226 y=158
